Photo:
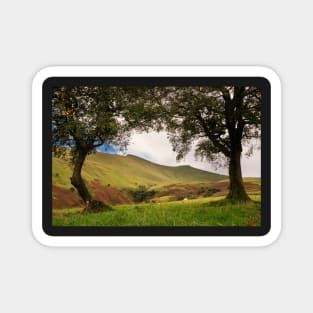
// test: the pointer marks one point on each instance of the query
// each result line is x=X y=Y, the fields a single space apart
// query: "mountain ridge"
x=128 y=171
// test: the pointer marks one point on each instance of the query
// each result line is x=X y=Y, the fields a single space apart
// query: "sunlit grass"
x=196 y=212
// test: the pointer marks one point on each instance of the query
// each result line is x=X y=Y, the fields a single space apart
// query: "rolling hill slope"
x=116 y=179
x=128 y=172
x=111 y=178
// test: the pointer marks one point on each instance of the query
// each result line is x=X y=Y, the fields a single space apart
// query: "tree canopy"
x=84 y=118
x=219 y=120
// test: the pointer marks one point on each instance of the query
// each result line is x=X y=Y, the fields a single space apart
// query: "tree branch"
x=214 y=138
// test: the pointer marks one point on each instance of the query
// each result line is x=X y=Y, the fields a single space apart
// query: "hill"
x=128 y=172
x=111 y=178
x=117 y=179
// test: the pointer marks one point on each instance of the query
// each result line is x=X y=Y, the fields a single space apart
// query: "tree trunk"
x=77 y=180
x=237 y=190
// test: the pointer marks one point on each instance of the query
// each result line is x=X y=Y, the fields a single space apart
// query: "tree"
x=219 y=121
x=84 y=118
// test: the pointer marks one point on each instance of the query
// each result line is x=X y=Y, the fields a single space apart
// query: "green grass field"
x=102 y=172
x=196 y=212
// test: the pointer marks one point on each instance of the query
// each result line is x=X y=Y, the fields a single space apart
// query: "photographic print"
x=156 y=155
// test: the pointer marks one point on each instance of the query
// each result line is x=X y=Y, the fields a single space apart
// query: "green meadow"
x=197 y=212
x=142 y=193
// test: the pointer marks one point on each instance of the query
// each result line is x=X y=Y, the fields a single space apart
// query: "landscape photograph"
x=156 y=156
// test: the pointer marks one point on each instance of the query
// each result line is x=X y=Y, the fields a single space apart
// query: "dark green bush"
x=141 y=194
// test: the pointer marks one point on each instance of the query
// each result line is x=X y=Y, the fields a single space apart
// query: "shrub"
x=212 y=191
x=141 y=194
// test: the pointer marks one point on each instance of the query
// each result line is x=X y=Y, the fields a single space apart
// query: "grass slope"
x=128 y=172
x=177 y=213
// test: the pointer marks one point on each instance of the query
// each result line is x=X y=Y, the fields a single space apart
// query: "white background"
x=36 y=34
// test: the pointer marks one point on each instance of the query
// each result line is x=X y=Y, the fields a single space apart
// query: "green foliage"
x=84 y=118
x=212 y=118
x=218 y=120
x=141 y=194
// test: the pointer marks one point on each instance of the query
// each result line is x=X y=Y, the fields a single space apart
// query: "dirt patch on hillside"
x=188 y=191
x=252 y=187
x=109 y=195
x=223 y=187
x=194 y=191
x=64 y=198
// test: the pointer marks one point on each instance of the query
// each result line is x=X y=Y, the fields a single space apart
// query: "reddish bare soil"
x=223 y=186
x=63 y=198
x=185 y=191
x=189 y=191
x=109 y=195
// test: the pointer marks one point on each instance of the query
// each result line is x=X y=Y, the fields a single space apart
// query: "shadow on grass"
x=96 y=206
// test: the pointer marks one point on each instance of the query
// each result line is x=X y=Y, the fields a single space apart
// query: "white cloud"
x=156 y=147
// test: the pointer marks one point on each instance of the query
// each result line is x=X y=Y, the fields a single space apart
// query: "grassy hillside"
x=178 y=196
x=196 y=212
x=116 y=179
x=128 y=172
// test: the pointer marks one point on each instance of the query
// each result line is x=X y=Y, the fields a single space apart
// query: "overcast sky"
x=156 y=147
